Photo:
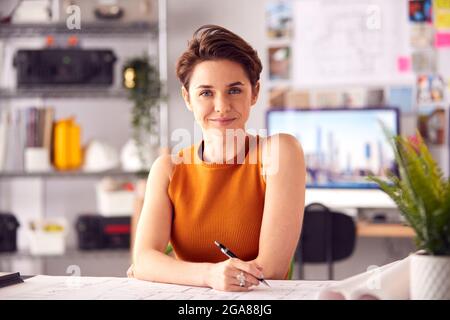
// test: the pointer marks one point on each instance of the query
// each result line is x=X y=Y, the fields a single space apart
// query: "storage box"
x=115 y=203
x=47 y=237
x=98 y=232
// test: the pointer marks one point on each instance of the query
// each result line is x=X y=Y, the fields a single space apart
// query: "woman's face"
x=220 y=95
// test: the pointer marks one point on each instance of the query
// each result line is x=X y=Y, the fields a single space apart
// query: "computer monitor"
x=341 y=146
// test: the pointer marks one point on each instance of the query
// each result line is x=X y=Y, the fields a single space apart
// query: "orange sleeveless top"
x=222 y=202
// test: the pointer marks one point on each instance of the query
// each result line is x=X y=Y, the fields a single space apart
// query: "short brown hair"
x=211 y=42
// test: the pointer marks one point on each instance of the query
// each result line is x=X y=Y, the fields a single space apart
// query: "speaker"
x=8 y=232
x=80 y=67
x=89 y=233
x=98 y=232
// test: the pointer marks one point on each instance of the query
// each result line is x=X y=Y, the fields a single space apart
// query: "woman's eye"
x=235 y=90
x=206 y=93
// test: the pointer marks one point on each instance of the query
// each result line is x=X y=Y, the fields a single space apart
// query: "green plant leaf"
x=146 y=96
x=420 y=192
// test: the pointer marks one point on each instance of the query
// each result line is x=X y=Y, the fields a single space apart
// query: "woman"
x=244 y=191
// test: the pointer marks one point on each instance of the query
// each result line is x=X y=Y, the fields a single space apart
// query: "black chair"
x=326 y=237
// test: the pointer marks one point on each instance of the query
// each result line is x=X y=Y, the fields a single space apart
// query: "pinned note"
x=442 y=14
x=442 y=20
x=442 y=40
x=403 y=64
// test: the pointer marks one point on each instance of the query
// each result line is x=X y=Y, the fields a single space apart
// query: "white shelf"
x=71 y=253
x=89 y=29
x=68 y=174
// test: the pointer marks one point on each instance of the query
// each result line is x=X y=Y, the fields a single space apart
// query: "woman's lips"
x=223 y=121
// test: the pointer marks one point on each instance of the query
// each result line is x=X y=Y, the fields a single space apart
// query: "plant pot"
x=430 y=277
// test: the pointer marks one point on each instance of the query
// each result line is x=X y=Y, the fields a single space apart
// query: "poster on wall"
x=430 y=89
x=346 y=42
x=420 y=10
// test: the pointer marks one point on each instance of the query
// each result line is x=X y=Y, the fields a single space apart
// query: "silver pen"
x=230 y=254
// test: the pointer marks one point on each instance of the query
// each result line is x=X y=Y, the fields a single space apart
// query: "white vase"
x=131 y=160
x=430 y=277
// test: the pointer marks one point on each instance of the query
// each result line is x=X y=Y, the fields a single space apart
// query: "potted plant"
x=422 y=195
x=141 y=79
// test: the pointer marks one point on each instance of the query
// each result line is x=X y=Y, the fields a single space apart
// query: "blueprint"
x=105 y=288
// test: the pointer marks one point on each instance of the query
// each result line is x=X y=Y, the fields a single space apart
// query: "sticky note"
x=442 y=40
x=442 y=20
x=442 y=4
x=403 y=63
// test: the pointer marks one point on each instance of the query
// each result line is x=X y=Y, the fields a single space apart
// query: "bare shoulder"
x=281 y=143
x=164 y=166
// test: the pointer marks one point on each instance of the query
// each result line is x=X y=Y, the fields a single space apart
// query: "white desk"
x=349 y=198
x=105 y=288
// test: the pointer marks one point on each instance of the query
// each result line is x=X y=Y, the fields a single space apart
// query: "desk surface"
x=379 y=230
x=104 y=288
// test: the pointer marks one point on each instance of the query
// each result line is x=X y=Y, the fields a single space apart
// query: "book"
x=9 y=278
x=3 y=138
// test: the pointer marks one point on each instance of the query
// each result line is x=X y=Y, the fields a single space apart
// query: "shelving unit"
x=87 y=92
x=98 y=29
x=67 y=174
x=150 y=34
x=72 y=254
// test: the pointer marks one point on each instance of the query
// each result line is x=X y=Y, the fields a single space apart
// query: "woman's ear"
x=185 y=95
x=255 y=93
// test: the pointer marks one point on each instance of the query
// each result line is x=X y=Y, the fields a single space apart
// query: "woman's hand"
x=234 y=275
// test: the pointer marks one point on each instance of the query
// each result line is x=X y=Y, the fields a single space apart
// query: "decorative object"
x=115 y=198
x=422 y=195
x=47 y=236
x=133 y=162
x=100 y=156
x=68 y=153
x=108 y=10
x=37 y=160
x=141 y=78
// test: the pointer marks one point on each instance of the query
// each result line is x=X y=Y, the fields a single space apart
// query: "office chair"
x=326 y=237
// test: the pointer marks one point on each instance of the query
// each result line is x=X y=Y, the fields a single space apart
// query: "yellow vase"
x=75 y=146
x=67 y=145
x=61 y=150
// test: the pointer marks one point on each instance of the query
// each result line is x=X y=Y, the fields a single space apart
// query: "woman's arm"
x=284 y=167
x=153 y=234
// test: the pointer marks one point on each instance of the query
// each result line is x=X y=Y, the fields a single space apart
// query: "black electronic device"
x=8 y=232
x=98 y=232
x=68 y=67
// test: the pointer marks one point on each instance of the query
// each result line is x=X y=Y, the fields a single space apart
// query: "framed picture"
x=420 y=10
x=279 y=63
x=402 y=98
x=430 y=89
x=279 y=19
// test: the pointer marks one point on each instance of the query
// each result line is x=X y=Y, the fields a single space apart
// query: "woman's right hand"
x=226 y=275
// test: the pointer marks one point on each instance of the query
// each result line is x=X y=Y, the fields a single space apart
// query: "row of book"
x=21 y=129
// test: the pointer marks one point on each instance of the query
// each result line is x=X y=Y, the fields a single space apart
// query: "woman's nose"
x=221 y=104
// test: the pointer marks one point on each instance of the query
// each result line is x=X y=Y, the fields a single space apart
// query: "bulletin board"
x=348 y=42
